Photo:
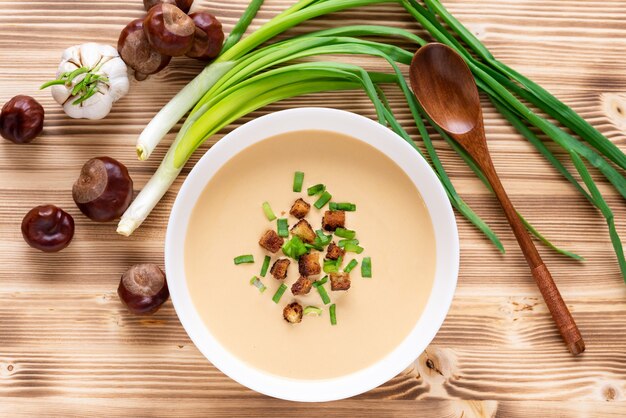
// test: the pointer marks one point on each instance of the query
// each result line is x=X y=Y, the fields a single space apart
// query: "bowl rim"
x=437 y=203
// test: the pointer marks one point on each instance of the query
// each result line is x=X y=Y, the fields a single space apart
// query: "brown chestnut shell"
x=135 y=50
x=184 y=5
x=143 y=289
x=169 y=30
x=48 y=228
x=209 y=36
x=21 y=119
x=103 y=190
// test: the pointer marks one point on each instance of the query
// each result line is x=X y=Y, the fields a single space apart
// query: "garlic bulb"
x=90 y=78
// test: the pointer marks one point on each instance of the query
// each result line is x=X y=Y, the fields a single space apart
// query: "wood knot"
x=614 y=107
x=6 y=369
x=610 y=393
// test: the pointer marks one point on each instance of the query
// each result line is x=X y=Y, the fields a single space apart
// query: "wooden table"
x=68 y=347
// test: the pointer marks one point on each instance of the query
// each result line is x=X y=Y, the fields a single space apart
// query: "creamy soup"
x=373 y=316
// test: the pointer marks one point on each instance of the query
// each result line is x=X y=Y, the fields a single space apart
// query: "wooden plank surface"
x=68 y=348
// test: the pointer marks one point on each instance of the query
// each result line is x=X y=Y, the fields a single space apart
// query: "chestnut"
x=48 y=228
x=143 y=289
x=135 y=50
x=21 y=119
x=209 y=37
x=183 y=5
x=103 y=190
x=169 y=30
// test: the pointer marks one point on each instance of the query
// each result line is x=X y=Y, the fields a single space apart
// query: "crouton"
x=300 y=209
x=309 y=265
x=302 y=286
x=334 y=219
x=279 y=268
x=303 y=230
x=293 y=313
x=271 y=241
x=334 y=252
x=339 y=281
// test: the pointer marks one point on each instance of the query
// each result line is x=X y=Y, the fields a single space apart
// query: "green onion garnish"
x=322 y=291
x=279 y=293
x=353 y=248
x=294 y=248
x=333 y=314
x=244 y=259
x=322 y=281
x=345 y=233
x=343 y=242
x=258 y=284
x=348 y=207
x=283 y=227
x=266 y=265
x=298 y=179
x=331 y=266
x=269 y=213
x=366 y=267
x=312 y=310
x=324 y=198
x=321 y=240
x=317 y=189
x=351 y=265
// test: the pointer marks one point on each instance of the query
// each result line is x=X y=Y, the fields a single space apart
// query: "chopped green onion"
x=322 y=281
x=321 y=240
x=283 y=227
x=343 y=242
x=353 y=248
x=315 y=190
x=294 y=248
x=345 y=233
x=348 y=207
x=323 y=293
x=244 y=259
x=266 y=265
x=279 y=293
x=351 y=265
x=312 y=310
x=298 y=179
x=269 y=213
x=324 y=198
x=366 y=267
x=330 y=266
x=333 y=314
x=258 y=284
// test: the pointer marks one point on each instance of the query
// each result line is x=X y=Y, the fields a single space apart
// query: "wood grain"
x=68 y=348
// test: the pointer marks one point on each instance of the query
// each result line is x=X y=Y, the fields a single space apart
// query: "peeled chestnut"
x=21 y=119
x=143 y=289
x=135 y=50
x=48 y=228
x=169 y=30
x=104 y=189
x=183 y=5
x=207 y=42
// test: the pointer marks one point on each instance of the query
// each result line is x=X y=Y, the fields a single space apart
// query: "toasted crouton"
x=279 y=268
x=303 y=230
x=271 y=241
x=334 y=252
x=300 y=209
x=309 y=265
x=302 y=286
x=334 y=219
x=293 y=313
x=339 y=281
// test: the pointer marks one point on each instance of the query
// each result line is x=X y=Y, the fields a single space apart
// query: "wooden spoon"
x=445 y=87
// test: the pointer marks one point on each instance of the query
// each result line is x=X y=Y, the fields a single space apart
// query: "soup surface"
x=373 y=316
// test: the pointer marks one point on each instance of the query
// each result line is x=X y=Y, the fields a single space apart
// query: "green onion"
x=298 y=179
x=351 y=265
x=333 y=314
x=294 y=248
x=348 y=207
x=322 y=281
x=324 y=198
x=352 y=248
x=269 y=213
x=323 y=293
x=240 y=28
x=244 y=259
x=366 y=267
x=312 y=310
x=282 y=227
x=321 y=240
x=315 y=190
x=258 y=284
x=266 y=265
x=330 y=266
x=343 y=242
x=279 y=293
x=345 y=233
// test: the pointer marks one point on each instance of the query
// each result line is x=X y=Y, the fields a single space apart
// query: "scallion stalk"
x=366 y=267
x=333 y=314
x=315 y=190
x=244 y=259
x=343 y=242
x=345 y=233
x=323 y=293
x=312 y=310
x=351 y=265
x=298 y=179
x=348 y=207
x=282 y=227
x=324 y=198
x=279 y=293
x=266 y=265
x=353 y=248
x=256 y=282
x=269 y=213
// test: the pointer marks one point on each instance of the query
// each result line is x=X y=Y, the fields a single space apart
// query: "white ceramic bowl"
x=447 y=250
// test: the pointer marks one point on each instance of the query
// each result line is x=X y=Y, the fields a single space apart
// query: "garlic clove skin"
x=117 y=72
x=96 y=107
